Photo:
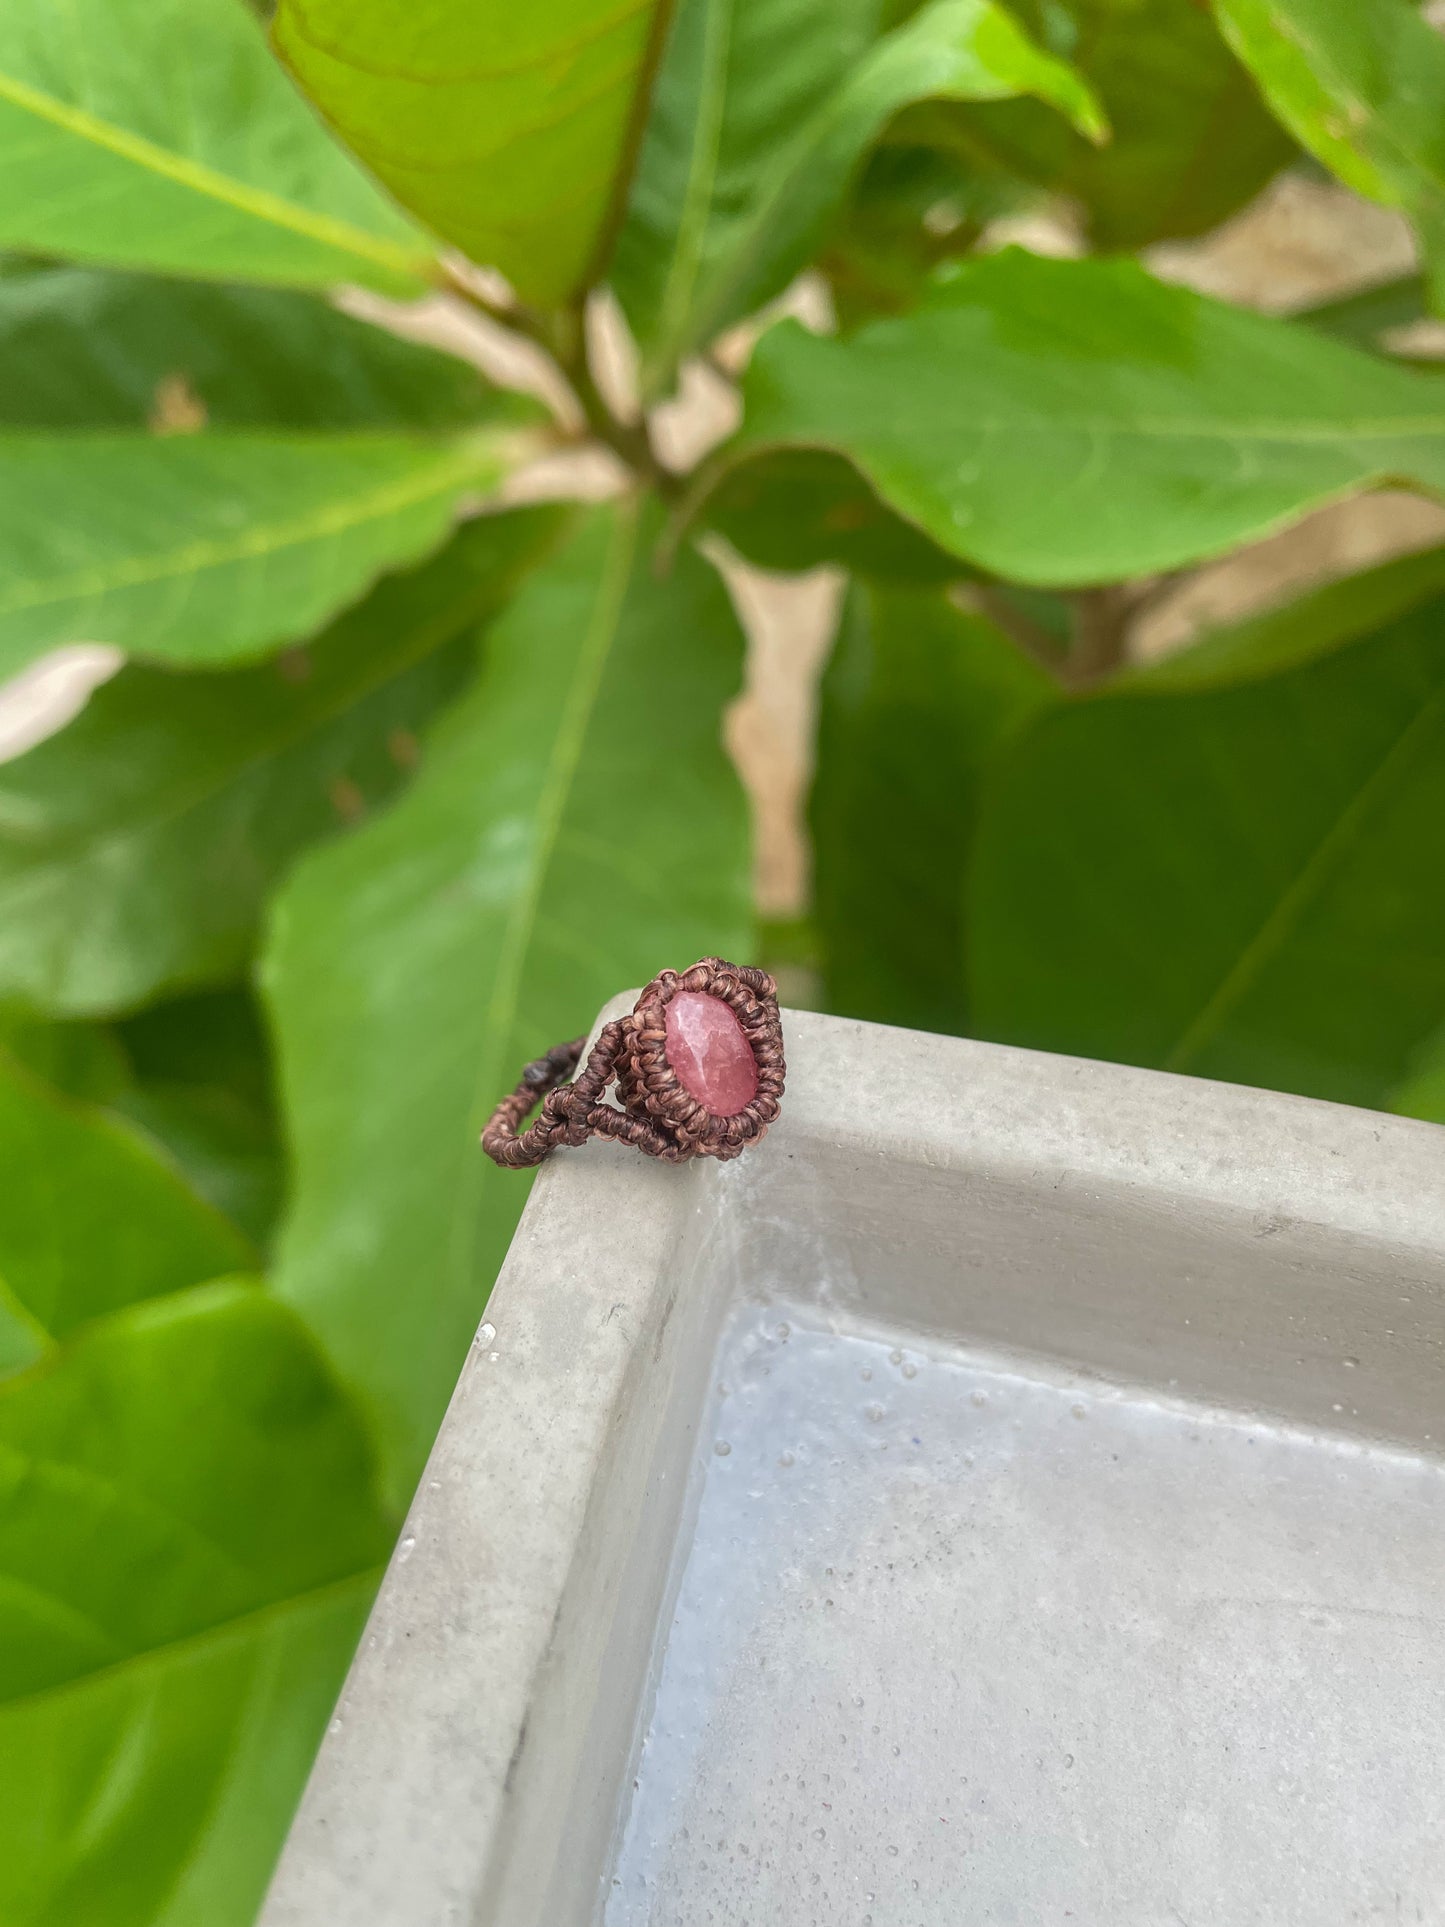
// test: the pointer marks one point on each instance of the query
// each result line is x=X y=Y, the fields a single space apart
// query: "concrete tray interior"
x=1013 y=1493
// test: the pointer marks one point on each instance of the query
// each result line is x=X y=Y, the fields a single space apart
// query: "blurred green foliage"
x=397 y=785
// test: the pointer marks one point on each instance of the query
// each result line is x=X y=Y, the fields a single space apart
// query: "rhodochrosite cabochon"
x=710 y=1054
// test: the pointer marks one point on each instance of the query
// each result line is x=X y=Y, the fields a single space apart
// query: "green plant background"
x=398 y=783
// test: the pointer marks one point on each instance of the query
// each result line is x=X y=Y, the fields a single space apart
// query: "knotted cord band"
x=659 y=1116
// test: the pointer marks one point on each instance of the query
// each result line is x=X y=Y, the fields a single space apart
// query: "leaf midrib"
x=332 y=519
x=259 y=203
x=1147 y=428
x=1294 y=899
x=567 y=749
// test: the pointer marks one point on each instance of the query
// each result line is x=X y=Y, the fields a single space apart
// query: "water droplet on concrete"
x=405 y=1548
x=722 y=1448
x=785 y=1459
x=1350 y=1363
x=910 y=1370
x=487 y=1333
x=978 y=1398
x=873 y=1413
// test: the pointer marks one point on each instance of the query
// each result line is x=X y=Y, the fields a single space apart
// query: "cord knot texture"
x=697 y=1064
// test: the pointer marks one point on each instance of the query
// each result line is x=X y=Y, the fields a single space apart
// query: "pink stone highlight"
x=710 y=1054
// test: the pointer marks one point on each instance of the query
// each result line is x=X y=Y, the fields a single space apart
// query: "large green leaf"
x=1361 y=86
x=1191 y=141
x=763 y=112
x=81 y=348
x=92 y=1215
x=508 y=132
x=1064 y=422
x=161 y=134
x=917 y=698
x=576 y=827
x=188 y=1540
x=1237 y=879
x=213 y=548
x=138 y=846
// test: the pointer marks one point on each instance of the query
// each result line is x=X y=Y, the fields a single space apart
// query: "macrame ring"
x=659 y=1115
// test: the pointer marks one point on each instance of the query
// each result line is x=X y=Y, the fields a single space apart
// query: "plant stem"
x=562 y=336
x=630 y=440
x=1101 y=633
x=1036 y=643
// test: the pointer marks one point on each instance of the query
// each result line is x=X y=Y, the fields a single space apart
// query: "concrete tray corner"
x=1015 y=1492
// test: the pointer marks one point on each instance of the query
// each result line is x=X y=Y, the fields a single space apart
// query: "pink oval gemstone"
x=707 y=1049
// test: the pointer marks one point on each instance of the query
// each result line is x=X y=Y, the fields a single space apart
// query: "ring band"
x=693 y=1080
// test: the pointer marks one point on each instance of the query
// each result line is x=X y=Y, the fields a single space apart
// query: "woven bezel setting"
x=648 y=1085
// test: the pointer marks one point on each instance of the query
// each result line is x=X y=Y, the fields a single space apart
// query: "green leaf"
x=92 y=1216
x=761 y=119
x=188 y=1541
x=576 y=828
x=1067 y=422
x=1363 y=88
x=80 y=348
x=509 y=133
x=1191 y=141
x=160 y=134
x=210 y=549
x=739 y=81
x=911 y=208
x=794 y=508
x=1235 y=880
x=200 y=1084
x=916 y=700
x=80 y=1060
x=138 y=846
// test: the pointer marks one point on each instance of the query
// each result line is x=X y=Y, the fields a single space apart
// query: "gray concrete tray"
x=1019 y=1500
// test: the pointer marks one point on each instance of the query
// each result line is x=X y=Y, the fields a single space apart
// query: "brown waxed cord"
x=658 y=1115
